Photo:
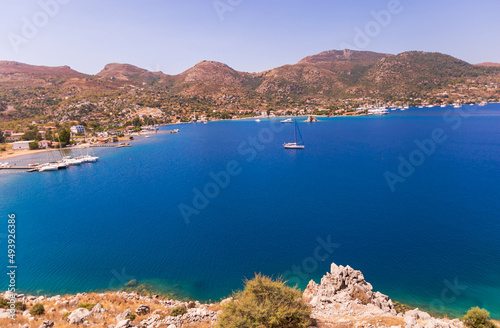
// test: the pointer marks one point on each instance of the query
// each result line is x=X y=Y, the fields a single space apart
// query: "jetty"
x=16 y=167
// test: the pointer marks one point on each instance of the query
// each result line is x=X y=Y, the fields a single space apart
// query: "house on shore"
x=21 y=145
x=44 y=144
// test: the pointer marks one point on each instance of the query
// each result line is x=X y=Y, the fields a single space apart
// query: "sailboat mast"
x=295 y=130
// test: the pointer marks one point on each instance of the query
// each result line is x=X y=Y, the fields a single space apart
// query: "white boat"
x=378 y=111
x=420 y=106
x=298 y=142
x=288 y=120
x=71 y=161
x=430 y=106
x=62 y=165
x=148 y=137
x=482 y=104
x=257 y=120
x=443 y=106
x=48 y=167
x=457 y=106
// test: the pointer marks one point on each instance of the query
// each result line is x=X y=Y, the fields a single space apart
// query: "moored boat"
x=298 y=142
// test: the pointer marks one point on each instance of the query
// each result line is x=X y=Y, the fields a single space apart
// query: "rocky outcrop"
x=345 y=291
x=311 y=119
x=345 y=299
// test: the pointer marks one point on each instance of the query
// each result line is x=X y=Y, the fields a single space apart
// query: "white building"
x=77 y=129
x=21 y=145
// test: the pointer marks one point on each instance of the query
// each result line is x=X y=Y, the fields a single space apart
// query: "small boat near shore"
x=126 y=144
x=288 y=120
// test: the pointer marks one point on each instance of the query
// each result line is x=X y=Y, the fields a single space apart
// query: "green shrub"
x=37 y=309
x=266 y=303
x=131 y=316
x=20 y=306
x=4 y=304
x=477 y=318
x=67 y=314
x=177 y=311
x=191 y=305
x=87 y=306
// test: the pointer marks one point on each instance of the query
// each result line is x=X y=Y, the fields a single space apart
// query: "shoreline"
x=343 y=298
x=14 y=154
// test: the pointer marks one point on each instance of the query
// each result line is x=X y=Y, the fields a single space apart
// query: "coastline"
x=14 y=154
x=342 y=299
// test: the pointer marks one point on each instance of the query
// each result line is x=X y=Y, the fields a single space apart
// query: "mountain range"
x=326 y=80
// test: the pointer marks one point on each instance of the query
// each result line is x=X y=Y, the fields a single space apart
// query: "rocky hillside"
x=342 y=299
x=330 y=79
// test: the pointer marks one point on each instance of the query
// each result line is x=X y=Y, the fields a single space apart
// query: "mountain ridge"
x=327 y=81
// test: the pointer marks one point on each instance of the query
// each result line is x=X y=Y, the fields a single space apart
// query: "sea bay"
x=431 y=242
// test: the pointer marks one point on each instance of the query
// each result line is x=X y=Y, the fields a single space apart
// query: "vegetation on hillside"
x=478 y=318
x=265 y=303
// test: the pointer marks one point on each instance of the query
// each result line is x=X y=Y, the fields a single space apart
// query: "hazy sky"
x=248 y=35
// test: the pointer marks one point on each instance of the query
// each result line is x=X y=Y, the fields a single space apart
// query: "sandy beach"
x=17 y=153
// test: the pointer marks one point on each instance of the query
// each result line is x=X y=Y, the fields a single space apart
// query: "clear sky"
x=248 y=35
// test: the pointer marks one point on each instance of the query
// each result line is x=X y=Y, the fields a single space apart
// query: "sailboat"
x=298 y=143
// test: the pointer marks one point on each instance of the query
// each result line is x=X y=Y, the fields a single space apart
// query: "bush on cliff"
x=177 y=311
x=478 y=318
x=37 y=309
x=266 y=303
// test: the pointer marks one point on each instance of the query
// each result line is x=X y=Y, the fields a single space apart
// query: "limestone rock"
x=79 y=316
x=47 y=324
x=123 y=324
x=123 y=315
x=98 y=309
x=142 y=310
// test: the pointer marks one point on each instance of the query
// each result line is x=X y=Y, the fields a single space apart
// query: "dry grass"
x=361 y=296
x=353 y=321
x=114 y=304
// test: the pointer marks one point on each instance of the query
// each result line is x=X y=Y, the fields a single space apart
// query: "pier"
x=26 y=168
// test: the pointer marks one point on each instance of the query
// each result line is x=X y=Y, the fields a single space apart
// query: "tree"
x=31 y=135
x=477 y=318
x=64 y=137
x=33 y=145
x=266 y=303
x=2 y=137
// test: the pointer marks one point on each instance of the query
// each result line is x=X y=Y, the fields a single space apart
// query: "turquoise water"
x=432 y=242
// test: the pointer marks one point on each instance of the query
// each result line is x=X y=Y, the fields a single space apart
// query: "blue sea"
x=411 y=199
